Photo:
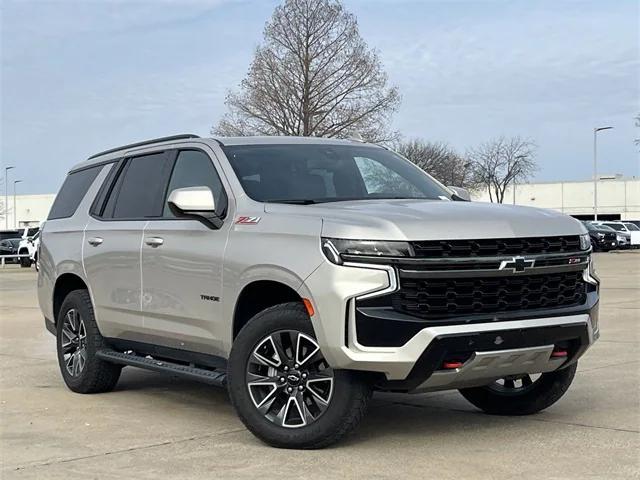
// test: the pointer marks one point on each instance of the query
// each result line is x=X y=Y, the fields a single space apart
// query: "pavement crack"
x=127 y=450
x=529 y=417
x=607 y=366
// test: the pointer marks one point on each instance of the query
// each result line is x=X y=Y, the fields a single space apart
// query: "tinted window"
x=325 y=173
x=193 y=168
x=140 y=190
x=615 y=226
x=72 y=192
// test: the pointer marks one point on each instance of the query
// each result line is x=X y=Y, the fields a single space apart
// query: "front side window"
x=194 y=168
x=139 y=191
x=315 y=173
x=631 y=227
x=72 y=192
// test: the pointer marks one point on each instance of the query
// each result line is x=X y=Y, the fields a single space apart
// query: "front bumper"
x=491 y=349
x=606 y=244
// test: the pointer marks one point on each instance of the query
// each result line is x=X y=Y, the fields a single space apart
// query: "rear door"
x=113 y=239
x=182 y=265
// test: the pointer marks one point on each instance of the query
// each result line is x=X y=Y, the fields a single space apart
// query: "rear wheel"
x=77 y=340
x=282 y=387
x=521 y=394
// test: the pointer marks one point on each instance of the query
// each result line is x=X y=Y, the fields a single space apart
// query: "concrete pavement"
x=153 y=427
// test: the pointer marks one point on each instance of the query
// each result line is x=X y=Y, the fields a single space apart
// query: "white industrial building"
x=30 y=210
x=618 y=199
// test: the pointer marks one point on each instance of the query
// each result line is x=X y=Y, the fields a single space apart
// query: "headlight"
x=585 y=242
x=600 y=235
x=334 y=248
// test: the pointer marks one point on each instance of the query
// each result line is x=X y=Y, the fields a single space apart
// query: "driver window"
x=194 y=168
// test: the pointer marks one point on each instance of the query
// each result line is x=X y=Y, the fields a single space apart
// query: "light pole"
x=15 y=212
x=6 y=197
x=595 y=169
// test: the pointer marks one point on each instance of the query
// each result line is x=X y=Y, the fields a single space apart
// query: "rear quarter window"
x=72 y=192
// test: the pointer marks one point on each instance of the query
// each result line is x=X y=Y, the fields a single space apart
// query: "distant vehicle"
x=9 y=246
x=602 y=237
x=19 y=233
x=631 y=231
x=6 y=234
x=29 y=246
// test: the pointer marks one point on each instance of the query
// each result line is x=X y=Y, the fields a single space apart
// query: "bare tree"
x=313 y=76
x=441 y=161
x=501 y=162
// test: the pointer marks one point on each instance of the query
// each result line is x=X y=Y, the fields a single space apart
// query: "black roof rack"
x=146 y=142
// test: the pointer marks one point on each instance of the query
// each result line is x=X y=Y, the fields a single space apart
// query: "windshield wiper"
x=293 y=201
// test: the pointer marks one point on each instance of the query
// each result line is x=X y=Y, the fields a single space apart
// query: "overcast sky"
x=79 y=77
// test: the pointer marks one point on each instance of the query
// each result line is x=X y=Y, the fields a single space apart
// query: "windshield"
x=313 y=173
x=631 y=227
x=598 y=228
x=616 y=226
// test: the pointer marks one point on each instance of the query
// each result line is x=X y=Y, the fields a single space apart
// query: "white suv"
x=305 y=273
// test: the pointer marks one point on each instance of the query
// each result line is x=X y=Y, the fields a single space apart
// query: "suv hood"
x=432 y=220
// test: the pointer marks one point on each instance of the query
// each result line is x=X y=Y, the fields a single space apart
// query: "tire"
x=90 y=375
x=541 y=394
x=344 y=400
x=25 y=262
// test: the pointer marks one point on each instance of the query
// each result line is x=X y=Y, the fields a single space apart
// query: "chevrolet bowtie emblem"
x=517 y=264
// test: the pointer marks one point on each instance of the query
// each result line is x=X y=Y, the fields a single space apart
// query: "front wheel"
x=283 y=389
x=521 y=394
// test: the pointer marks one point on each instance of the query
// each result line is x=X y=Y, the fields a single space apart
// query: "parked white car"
x=29 y=246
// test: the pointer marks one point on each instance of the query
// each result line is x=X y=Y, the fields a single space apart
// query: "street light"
x=6 y=197
x=595 y=169
x=15 y=212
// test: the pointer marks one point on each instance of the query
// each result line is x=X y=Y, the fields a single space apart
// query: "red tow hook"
x=451 y=365
x=559 y=354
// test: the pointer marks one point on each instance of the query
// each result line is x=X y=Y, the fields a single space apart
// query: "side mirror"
x=196 y=203
x=461 y=193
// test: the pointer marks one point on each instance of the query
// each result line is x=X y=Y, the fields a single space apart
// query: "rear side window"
x=72 y=192
x=140 y=190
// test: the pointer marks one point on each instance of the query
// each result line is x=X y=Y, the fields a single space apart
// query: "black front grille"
x=439 y=298
x=496 y=247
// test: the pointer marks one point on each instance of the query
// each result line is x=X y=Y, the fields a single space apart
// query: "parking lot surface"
x=154 y=426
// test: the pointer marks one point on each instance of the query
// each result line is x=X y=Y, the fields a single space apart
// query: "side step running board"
x=212 y=377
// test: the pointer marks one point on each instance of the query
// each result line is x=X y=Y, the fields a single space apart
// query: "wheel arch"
x=257 y=296
x=65 y=283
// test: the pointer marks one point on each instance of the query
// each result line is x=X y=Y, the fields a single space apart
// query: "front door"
x=182 y=266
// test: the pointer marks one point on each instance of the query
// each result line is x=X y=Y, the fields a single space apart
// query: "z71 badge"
x=247 y=220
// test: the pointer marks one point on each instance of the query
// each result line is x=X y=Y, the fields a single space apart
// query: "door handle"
x=154 y=241
x=95 y=241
